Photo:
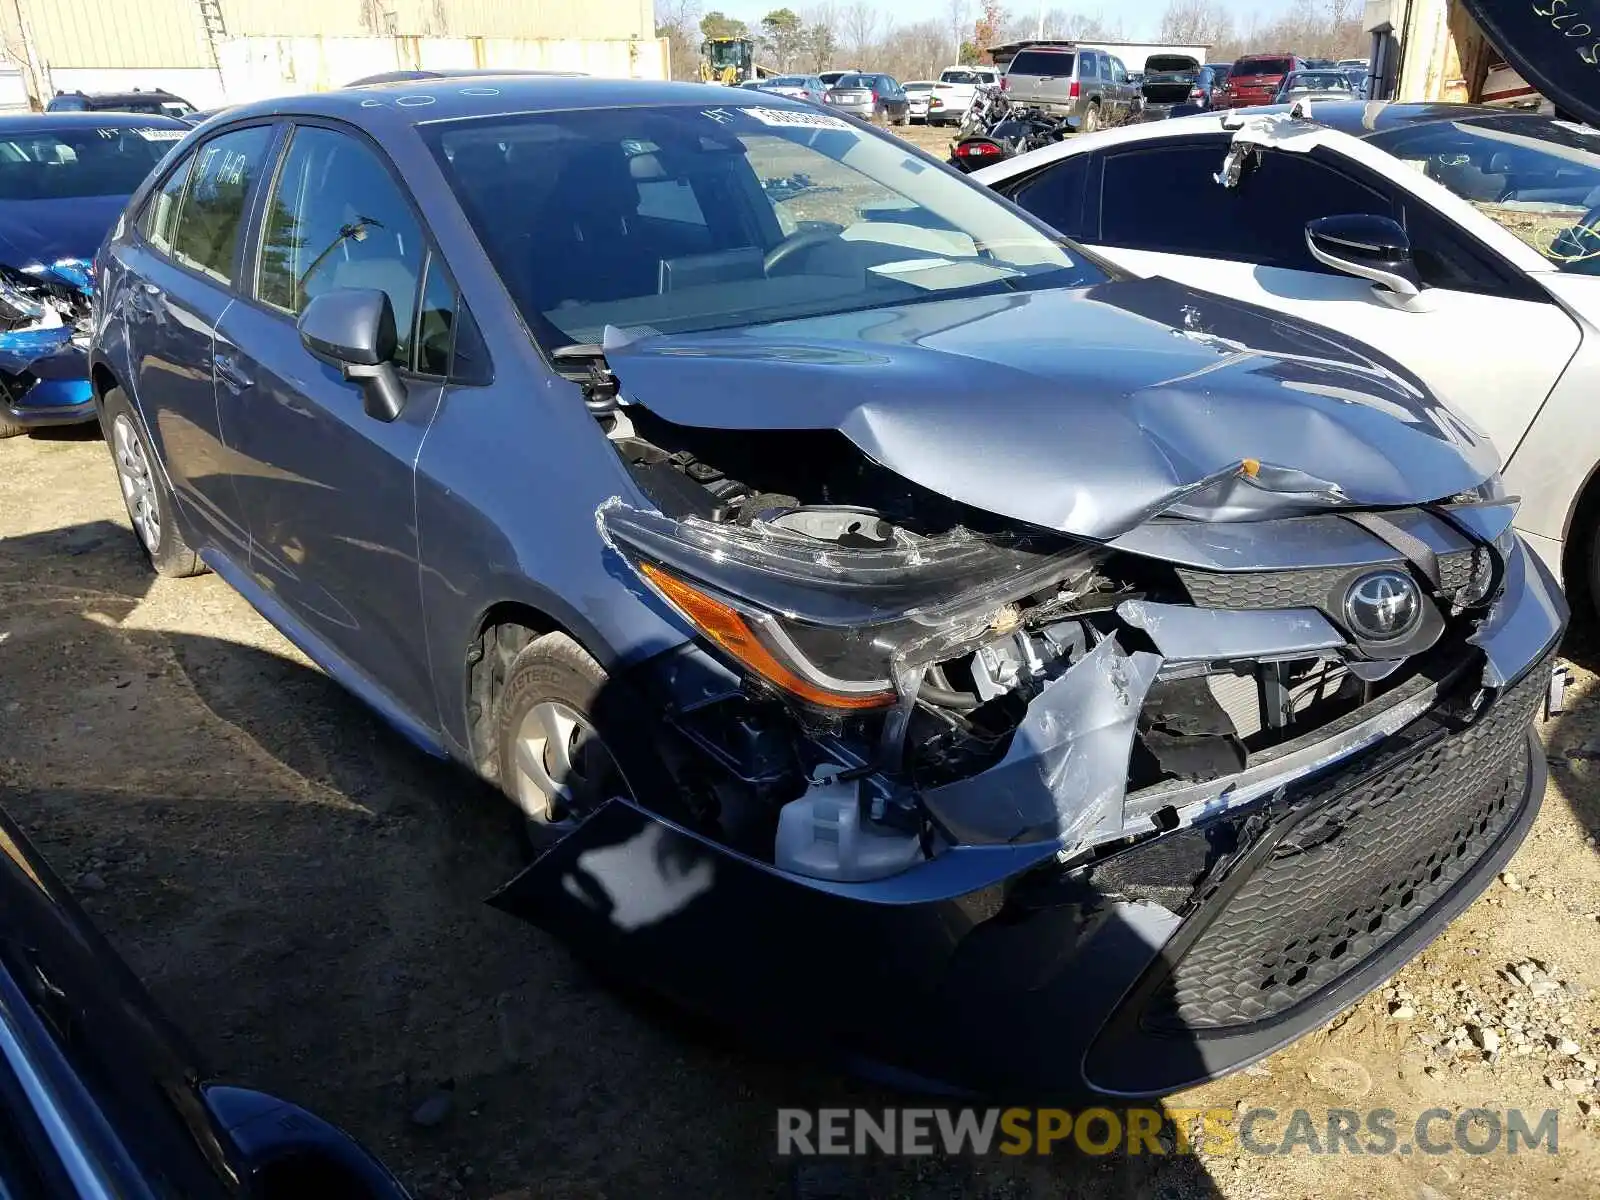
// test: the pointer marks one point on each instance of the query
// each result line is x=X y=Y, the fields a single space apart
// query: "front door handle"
x=234 y=377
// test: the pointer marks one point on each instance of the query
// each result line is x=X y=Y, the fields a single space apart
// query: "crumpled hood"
x=1085 y=411
x=42 y=231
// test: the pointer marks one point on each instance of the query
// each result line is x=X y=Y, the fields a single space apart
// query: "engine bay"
x=854 y=782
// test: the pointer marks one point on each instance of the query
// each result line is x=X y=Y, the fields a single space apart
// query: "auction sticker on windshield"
x=159 y=135
x=804 y=120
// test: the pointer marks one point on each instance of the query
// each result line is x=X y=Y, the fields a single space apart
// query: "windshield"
x=1316 y=81
x=1536 y=177
x=959 y=77
x=1261 y=66
x=798 y=81
x=857 y=81
x=65 y=164
x=725 y=54
x=681 y=219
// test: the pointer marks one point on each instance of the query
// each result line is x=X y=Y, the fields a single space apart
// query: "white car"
x=1461 y=241
x=955 y=89
x=919 y=92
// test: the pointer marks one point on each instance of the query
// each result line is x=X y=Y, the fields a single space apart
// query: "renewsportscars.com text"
x=1174 y=1130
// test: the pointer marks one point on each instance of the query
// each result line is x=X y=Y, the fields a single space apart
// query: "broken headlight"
x=20 y=299
x=830 y=605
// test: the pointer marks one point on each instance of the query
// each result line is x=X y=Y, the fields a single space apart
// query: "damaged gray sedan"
x=904 y=636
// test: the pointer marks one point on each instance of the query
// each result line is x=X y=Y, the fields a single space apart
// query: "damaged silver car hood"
x=1085 y=411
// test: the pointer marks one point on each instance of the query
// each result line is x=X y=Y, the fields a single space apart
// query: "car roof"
x=409 y=103
x=147 y=94
x=1361 y=119
x=26 y=122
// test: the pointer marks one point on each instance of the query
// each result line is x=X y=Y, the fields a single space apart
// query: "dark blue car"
x=64 y=180
x=100 y=1096
x=903 y=635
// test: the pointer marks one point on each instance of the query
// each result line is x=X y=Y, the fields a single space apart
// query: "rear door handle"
x=233 y=376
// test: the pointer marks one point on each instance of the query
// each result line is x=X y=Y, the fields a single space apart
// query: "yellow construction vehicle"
x=728 y=60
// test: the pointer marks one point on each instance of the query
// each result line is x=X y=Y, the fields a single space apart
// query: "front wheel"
x=144 y=491
x=568 y=738
x=10 y=429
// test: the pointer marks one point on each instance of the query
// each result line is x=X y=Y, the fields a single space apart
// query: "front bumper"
x=994 y=969
x=52 y=389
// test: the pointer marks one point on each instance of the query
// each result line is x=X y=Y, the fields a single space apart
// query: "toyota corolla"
x=902 y=633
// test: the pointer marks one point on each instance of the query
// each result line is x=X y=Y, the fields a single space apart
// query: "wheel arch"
x=501 y=630
x=1578 y=545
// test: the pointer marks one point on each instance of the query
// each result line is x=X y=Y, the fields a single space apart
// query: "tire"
x=567 y=738
x=10 y=429
x=144 y=491
x=1091 y=117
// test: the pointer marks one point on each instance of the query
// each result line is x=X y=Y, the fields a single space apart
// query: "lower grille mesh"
x=1353 y=872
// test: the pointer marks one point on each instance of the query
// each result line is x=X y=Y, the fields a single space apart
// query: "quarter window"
x=337 y=219
x=1262 y=220
x=1056 y=195
x=207 y=237
x=436 y=320
x=161 y=210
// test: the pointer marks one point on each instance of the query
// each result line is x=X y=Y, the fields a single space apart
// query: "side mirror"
x=1366 y=246
x=353 y=329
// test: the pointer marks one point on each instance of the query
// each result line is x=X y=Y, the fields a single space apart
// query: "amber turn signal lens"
x=727 y=627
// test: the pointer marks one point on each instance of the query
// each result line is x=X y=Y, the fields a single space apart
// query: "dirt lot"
x=301 y=890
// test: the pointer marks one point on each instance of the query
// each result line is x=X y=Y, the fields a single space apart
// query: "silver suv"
x=1088 y=87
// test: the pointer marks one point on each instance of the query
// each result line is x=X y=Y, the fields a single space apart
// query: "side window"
x=436 y=320
x=1055 y=195
x=207 y=236
x=1262 y=220
x=337 y=219
x=1117 y=70
x=161 y=209
x=1446 y=258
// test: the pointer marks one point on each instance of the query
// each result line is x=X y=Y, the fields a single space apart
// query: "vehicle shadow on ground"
x=302 y=891
x=1572 y=737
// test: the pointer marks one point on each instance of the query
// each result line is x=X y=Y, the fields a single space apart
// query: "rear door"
x=1248 y=242
x=329 y=491
x=182 y=263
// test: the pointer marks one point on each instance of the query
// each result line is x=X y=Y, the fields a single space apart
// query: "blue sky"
x=1141 y=17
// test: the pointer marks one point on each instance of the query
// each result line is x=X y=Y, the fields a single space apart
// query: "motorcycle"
x=988 y=107
x=1016 y=132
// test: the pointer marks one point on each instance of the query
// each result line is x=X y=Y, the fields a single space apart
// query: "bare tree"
x=957 y=14
x=820 y=36
x=860 y=28
x=679 y=22
x=1196 y=22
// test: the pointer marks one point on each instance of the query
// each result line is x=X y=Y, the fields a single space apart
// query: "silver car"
x=1328 y=84
x=1088 y=87
x=875 y=98
x=797 y=87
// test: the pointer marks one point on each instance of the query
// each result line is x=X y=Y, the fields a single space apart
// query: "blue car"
x=64 y=180
x=902 y=635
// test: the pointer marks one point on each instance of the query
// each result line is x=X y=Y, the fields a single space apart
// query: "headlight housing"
x=831 y=606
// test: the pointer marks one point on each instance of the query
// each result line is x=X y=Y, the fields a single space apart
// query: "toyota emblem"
x=1383 y=605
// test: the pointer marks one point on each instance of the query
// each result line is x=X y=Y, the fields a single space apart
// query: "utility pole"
x=33 y=74
x=1039 y=33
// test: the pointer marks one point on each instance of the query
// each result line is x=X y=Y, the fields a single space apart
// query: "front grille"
x=1354 y=870
x=1319 y=587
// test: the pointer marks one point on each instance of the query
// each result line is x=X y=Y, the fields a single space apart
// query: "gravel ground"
x=302 y=892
